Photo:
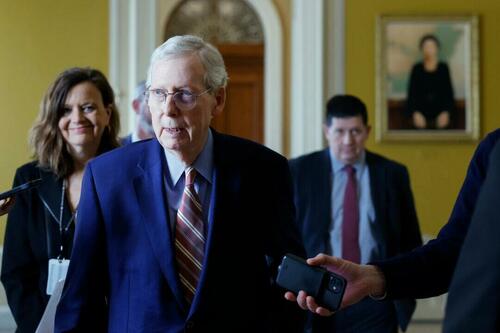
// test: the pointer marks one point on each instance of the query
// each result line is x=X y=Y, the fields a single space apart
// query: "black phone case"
x=327 y=288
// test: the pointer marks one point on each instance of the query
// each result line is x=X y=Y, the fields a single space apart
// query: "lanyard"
x=62 y=229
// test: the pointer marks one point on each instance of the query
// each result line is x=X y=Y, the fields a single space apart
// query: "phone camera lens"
x=335 y=285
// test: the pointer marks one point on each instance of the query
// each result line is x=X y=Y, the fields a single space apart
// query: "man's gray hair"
x=210 y=57
x=139 y=90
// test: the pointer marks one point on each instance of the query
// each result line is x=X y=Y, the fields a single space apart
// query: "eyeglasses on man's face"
x=184 y=99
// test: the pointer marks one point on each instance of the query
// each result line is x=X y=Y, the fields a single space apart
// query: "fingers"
x=324 y=260
x=323 y=312
x=311 y=304
x=307 y=303
x=289 y=296
x=315 y=308
x=319 y=260
x=302 y=300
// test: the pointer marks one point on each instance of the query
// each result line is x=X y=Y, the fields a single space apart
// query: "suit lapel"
x=324 y=197
x=378 y=184
x=151 y=196
x=49 y=192
x=225 y=181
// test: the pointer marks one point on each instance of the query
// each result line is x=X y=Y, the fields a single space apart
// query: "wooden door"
x=243 y=114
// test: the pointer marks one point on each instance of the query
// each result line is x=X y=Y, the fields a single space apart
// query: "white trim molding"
x=335 y=36
x=307 y=73
x=273 y=73
x=136 y=28
x=317 y=68
x=132 y=40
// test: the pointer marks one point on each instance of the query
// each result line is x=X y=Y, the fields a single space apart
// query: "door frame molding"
x=136 y=28
x=317 y=67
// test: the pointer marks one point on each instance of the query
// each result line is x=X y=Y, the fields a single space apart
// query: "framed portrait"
x=427 y=78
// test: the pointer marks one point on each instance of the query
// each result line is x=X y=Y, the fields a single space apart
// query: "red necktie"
x=350 y=221
x=189 y=237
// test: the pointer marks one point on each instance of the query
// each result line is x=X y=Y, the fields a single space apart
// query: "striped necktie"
x=189 y=237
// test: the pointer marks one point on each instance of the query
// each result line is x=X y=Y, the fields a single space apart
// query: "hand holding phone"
x=327 y=288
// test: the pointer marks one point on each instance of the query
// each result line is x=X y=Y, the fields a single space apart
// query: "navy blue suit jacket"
x=474 y=301
x=126 y=140
x=123 y=252
x=392 y=200
x=427 y=271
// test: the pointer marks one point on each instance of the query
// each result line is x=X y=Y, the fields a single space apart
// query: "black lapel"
x=377 y=185
x=49 y=191
x=324 y=182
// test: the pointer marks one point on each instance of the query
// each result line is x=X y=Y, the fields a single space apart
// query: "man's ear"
x=220 y=100
x=135 y=105
x=326 y=132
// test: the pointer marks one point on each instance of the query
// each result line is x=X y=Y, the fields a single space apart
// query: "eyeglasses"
x=183 y=99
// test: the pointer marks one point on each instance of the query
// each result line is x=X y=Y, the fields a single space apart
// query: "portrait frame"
x=401 y=46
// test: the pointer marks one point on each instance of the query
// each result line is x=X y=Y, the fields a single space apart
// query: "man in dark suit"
x=384 y=222
x=474 y=301
x=184 y=232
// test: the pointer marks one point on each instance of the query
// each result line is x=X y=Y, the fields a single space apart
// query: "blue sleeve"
x=427 y=271
x=473 y=301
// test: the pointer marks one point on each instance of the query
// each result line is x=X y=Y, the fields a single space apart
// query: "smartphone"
x=23 y=187
x=327 y=288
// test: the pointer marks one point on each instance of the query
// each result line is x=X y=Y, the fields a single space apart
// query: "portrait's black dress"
x=430 y=92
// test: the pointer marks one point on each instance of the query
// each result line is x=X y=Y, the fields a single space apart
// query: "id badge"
x=57 y=271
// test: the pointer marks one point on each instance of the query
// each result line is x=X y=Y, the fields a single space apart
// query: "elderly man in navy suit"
x=183 y=232
x=357 y=205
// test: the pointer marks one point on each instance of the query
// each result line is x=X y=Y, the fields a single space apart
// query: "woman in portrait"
x=431 y=102
x=78 y=120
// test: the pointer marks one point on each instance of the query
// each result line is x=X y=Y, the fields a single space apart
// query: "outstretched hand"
x=5 y=205
x=362 y=280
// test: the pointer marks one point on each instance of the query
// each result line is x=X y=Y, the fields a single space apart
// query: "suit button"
x=189 y=325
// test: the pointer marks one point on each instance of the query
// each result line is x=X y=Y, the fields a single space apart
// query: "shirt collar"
x=203 y=164
x=134 y=137
x=338 y=165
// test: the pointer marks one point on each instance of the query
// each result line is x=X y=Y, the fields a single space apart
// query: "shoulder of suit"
x=30 y=170
x=491 y=138
x=311 y=158
x=245 y=149
x=483 y=150
x=28 y=167
x=374 y=158
x=124 y=155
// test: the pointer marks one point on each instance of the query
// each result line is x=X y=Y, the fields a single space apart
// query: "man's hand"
x=5 y=205
x=362 y=280
x=419 y=120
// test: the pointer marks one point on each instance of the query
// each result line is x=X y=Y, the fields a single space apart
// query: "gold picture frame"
x=429 y=63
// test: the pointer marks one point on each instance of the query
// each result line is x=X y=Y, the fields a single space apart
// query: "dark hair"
x=46 y=140
x=425 y=38
x=345 y=106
